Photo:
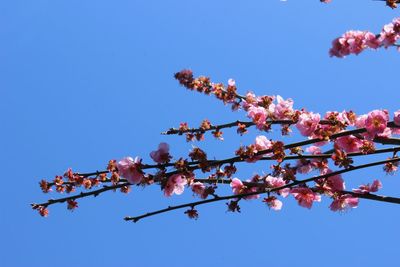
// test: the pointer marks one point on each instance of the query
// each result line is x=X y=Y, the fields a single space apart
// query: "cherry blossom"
x=349 y=143
x=162 y=154
x=273 y=203
x=175 y=185
x=376 y=122
x=129 y=169
x=344 y=202
x=308 y=123
x=258 y=115
x=283 y=109
x=305 y=196
x=331 y=142
x=365 y=189
x=199 y=189
x=397 y=118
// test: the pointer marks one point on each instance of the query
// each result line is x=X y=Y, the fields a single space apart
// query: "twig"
x=269 y=190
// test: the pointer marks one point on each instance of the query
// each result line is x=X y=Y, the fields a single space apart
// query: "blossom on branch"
x=130 y=169
x=175 y=185
x=344 y=202
x=336 y=139
x=305 y=196
x=354 y=42
x=162 y=154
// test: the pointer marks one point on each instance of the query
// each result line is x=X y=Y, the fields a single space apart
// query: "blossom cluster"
x=343 y=134
x=354 y=42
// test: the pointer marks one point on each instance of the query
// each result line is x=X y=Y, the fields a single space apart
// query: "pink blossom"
x=274 y=182
x=231 y=82
x=344 y=202
x=237 y=186
x=251 y=190
x=129 y=169
x=249 y=101
x=371 y=41
x=349 y=143
x=305 y=196
x=284 y=108
x=376 y=122
x=342 y=117
x=304 y=167
x=308 y=123
x=390 y=33
x=314 y=150
x=395 y=131
x=162 y=154
x=397 y=118
x=386 y=133
x=360 y=121
x=353 y=42
x=333 y=183
x=262 y=143
x=258 y=115
x=199 y=188
x=273 y=203
x=175 y=185
x=365 y=189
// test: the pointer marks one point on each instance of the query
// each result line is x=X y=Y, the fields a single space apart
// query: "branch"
x=269 y=190
x=220 y=162
x=231 y=124
x=94 y=193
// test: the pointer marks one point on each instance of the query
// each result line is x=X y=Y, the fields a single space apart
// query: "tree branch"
x=269 y=190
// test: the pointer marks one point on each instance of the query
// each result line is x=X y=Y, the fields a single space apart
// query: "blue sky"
x=83 y=82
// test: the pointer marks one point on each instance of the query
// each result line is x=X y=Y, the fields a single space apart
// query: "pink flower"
x=305 y=196
x=390 y=33
x=199 y=188
x=314 y=150
x=304 y=167
x=349 y=143
x=250 y=101
x=344 y=202
x=360 y=121
x=353 y=42
x=365 y=189
x=175 y=185
x=231 y=82
x=258 y=115
x=273 y=203
x=376 y=122
x=284 y=108
x=386 y=133
x=162 y=154
x=130 y=169
x=261 y=143
x=308 y=123
x=397 y=118
x=333 y=183
x=342 y=117
x=273 y=182
x=395 y=131
x=237 y=186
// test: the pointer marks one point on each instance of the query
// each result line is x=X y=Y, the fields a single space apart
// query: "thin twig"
x=269 y=190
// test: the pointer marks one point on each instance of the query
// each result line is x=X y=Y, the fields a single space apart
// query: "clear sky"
x=83 y=82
